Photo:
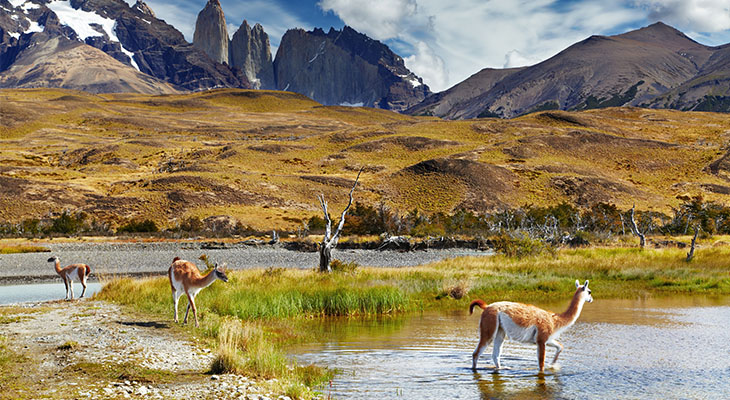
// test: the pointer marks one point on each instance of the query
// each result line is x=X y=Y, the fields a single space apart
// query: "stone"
x=211 y=34
x=250 y=51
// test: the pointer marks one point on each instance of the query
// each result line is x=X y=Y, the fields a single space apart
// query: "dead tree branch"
x=635 y=228
x=330 y=239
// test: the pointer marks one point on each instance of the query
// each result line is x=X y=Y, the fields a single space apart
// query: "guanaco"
x=527 y=324
x=70 y=273
x=186 y=278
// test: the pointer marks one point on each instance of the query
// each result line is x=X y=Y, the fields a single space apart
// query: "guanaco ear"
x=577 y=284
x=586 y=285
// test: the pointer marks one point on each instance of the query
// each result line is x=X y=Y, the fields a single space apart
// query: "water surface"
x=629 y=349
x=43 y=292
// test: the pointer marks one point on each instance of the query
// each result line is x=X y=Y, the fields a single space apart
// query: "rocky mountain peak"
x=211 y=35
x=345 y=67
x=250 y=51
x=142 y=7
x=661 y=34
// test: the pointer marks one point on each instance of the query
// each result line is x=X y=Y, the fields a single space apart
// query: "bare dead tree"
x=329 y=241
x=691 y=253
x=635 y=228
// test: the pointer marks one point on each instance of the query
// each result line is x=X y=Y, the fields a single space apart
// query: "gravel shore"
x=60 y=341
x=135 y=259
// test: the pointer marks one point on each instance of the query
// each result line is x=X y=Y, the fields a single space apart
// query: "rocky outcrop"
x=142 y=7
x=345 y=68
x=211 y=35
x=250 y=51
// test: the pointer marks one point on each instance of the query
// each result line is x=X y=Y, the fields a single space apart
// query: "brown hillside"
x=262 y=157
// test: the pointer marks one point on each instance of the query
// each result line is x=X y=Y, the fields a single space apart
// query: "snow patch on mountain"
x=16 y=3
x=34 y=27
x=131 y=57
x=86 y=24
x=29 y=6
x=80 y=21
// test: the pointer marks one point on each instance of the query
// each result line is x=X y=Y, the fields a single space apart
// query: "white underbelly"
x=177 y=284
x=74 y=275
x=516 y=332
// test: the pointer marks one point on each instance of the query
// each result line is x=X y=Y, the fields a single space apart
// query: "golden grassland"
x=253 y=155
x=252 y=318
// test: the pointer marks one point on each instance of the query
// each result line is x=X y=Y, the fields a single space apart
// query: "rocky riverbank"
x=92 y=349
x=153 y=258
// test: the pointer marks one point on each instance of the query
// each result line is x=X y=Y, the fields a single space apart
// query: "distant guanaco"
x=527 y=324
x=70 y=273
x=186 y=278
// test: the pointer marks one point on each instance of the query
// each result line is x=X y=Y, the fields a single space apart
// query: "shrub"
x=521 y=246
x=67 y=224
x=146 y=226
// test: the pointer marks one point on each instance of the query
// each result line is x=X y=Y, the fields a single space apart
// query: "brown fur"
x=191 y=278
x=525 y=316
x=65 y=273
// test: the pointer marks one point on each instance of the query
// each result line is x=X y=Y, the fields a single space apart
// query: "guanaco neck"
x=570 y=315
x=206 y=280
x=57 y=265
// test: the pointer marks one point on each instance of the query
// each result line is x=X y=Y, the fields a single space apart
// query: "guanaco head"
x=53 y=259
x=220 y=273
x=584 y=291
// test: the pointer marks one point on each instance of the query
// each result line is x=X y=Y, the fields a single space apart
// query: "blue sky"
x=447 y=41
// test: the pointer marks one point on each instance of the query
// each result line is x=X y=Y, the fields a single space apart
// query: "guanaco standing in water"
x=70 y=273
x=186 y=278
x=527 y=324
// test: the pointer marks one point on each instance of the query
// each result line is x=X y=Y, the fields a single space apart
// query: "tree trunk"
x=329 y=241
x=691 y=253
x=635 y=229
x=325 y=256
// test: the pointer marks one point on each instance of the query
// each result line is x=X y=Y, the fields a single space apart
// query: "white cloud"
x=696 y=15
x=379 y=19
x=515 y=58
x=429 y=66
x=498 y=33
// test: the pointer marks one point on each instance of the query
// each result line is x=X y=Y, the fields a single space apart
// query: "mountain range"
x=655 y=67
x=108 y=46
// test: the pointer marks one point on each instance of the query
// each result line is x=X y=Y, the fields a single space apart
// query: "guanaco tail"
x=186 y=278
x=70 y=273
x=527 y=324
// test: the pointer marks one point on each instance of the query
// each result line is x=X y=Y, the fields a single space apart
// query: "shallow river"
x=673 y=348
x=13 y=294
